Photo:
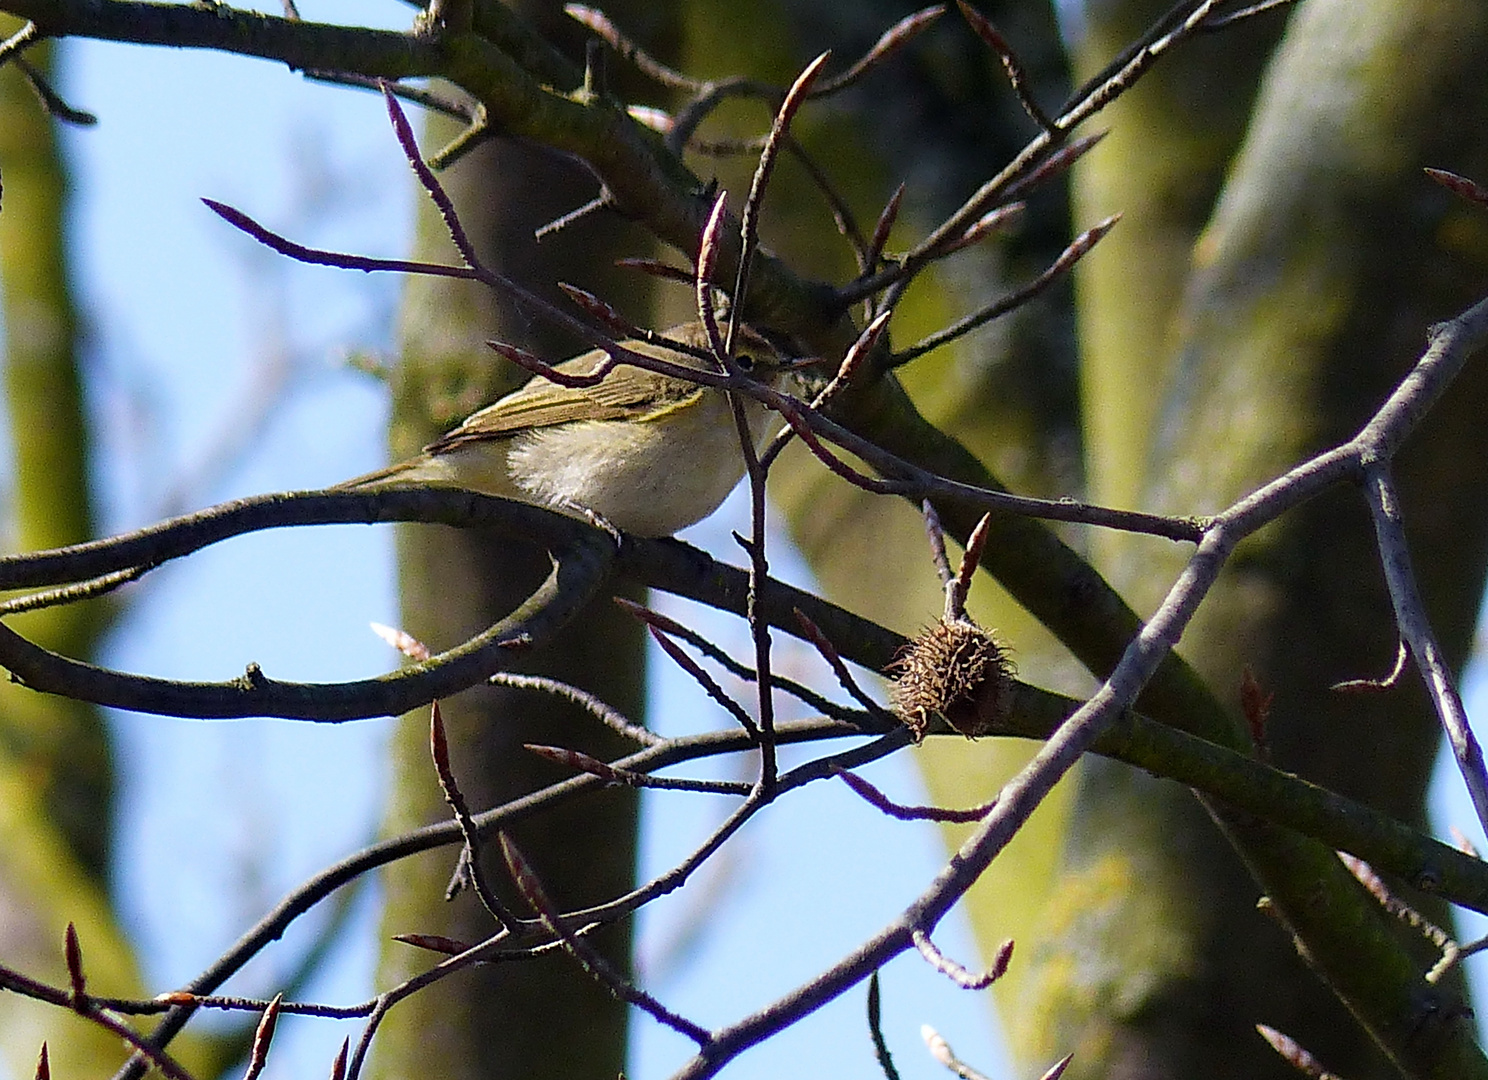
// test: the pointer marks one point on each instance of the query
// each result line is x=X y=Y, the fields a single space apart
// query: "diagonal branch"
x=1415 y=629
x=1384 y=1013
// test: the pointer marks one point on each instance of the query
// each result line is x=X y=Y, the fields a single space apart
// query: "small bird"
x=647 y=453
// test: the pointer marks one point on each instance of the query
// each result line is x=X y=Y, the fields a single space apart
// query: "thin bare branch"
x=416 y=95
x=600 y=311
x=1415 y=629
x=941 y=1051
x=810 y=698
x=51 y=101
x=961 y=976
x=829 y=653
x=1078 y=248
x=147 y=1050
x=749 y=228
x=842 y=215
x=609 y=774
x=477 y=131
x=342 y=260
x=544 y=370
x=600 y=202
x=1294 y=1055
x=437 y=195
x=909 y=480
x=586 y=560
x=875 y=1031
x=596 y=965
x=1374 y=686
x=876 y=798
x=706 y=681
x=607 y=714
x=935 y=533
x=470 y=854
x=759 y=624
x=1216 y=23
x=83 y=590
x=889 y=42
x=1016 y=73
x=258 y=1056
x=599 y=23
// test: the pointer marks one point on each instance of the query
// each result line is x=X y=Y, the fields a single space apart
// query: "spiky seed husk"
x=957 y=669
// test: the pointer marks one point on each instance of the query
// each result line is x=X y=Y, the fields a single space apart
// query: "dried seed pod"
x=956 y=669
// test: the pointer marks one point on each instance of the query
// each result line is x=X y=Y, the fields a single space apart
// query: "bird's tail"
x=402 y=472
x=483 y=473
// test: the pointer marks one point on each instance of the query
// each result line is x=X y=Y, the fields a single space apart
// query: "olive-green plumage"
x=648 y=453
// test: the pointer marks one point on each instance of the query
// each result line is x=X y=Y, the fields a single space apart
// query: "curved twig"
x=584 y=563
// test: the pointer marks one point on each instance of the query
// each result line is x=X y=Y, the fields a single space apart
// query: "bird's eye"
x=745 y=362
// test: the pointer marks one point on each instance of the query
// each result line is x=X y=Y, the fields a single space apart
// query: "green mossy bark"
x=50 y=497
x=1275 y=333
x=56 y=779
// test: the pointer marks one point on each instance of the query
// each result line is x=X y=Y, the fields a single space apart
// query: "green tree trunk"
x=542 y=1017
x=1275 y=335
x=56 y=779
x=944 y=119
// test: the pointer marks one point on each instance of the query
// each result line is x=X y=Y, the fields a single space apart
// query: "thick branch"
x=299 y=44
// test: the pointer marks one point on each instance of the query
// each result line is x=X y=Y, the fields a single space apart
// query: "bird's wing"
x=543 y=403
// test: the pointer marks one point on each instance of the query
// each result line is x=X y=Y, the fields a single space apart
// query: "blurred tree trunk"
x=1275 y=332
x=56 y=775
x=545 y=1017
x=942 y=118
x=1122 y=899
x=51 y=503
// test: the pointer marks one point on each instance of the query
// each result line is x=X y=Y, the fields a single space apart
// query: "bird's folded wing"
x=543 y=403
